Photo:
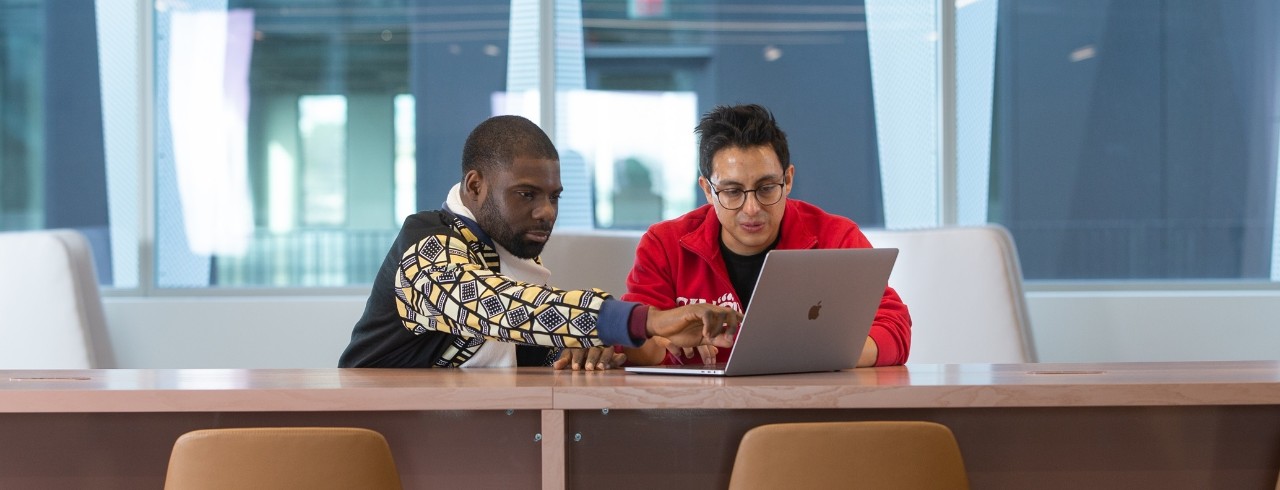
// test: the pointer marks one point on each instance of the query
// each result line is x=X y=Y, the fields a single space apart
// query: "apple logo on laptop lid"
x=813 y=311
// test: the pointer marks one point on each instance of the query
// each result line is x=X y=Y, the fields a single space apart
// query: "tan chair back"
x=282 y=458
x=849 y=455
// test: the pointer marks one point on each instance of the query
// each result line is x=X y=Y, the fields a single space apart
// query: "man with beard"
x=462 y=286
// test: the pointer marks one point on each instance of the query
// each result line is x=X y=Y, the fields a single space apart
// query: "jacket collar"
x=477 y=240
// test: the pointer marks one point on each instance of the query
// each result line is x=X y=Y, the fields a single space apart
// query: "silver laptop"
x=811 y=311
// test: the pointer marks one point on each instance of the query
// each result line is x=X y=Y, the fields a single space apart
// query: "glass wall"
x=21 y=115
x=293 y=157
x=53 y=172
x=279 y=143
x=652 y=68
x=1137 y=139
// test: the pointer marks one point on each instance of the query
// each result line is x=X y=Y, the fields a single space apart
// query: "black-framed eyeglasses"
x=733 y=199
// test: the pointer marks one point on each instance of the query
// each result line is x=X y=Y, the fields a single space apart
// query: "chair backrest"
x=849 y=455
x=963 y=287
x=314 y=458
x=51 y=313
x=583 y=259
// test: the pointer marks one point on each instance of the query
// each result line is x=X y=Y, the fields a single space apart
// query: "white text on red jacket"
x=726 y=300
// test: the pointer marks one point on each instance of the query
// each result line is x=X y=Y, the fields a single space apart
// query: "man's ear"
x=474 y=187
x=788 y=177
x=706 y=189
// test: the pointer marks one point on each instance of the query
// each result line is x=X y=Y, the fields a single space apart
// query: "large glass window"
x=53 y=146
x=1137 y=139
x=293 y=137
x=652 y=68
x=280 y=143
x=21 y=114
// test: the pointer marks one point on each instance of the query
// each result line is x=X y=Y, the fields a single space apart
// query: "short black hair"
x=497 y=142
x=739 y=126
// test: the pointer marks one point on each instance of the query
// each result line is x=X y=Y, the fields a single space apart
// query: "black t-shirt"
x=744 y=270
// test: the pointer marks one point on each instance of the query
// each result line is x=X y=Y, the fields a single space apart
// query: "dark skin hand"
x=686 y=326
x=590 y=359
x=694 y=325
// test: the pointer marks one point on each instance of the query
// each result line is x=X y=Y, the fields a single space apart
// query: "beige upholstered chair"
x=582 y=259
x=312 y=458
x=963 y=286
x=849 y=455
x=50 y=311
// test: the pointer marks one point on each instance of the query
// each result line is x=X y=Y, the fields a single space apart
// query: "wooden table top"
x=940 y=386
x=915 y=386
x=263 y=390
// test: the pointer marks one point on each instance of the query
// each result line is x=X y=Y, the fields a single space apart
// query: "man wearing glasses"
x=714 y=253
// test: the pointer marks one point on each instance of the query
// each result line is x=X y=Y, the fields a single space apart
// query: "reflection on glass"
x=1127 y=140
x=652 y=68
x=207 y=101
x=22 y=39
x=68 y=139
x=406 y=172
x=644 y=164
x=322 y=128
x=1137 y=140
x=300 y=123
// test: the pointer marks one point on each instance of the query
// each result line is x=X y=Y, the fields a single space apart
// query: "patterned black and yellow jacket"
x=440 y=295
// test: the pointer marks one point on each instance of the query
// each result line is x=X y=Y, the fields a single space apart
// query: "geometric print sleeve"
x=443 y=284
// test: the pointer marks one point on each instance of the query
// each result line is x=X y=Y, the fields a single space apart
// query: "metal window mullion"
x=146 y=141
x=547 y=66
x=948 y=182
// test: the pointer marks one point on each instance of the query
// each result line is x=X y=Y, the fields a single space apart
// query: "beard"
x=506 y=235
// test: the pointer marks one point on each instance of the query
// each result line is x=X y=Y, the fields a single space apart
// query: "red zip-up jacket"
x=678 y=262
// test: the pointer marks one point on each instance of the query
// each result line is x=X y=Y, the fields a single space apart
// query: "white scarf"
x=493 y=353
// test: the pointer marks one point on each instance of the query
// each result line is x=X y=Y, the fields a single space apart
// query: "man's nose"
x=751 y=205
x=546 y=210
